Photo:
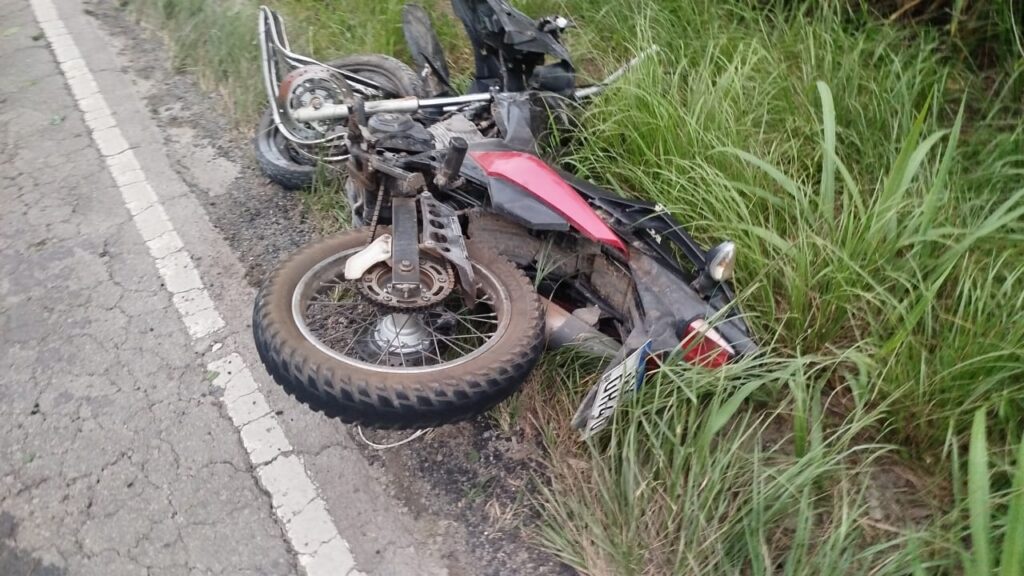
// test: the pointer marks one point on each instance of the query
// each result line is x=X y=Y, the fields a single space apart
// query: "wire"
x=375 y=446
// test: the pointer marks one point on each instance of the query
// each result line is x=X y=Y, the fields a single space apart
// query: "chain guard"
x=442 y=235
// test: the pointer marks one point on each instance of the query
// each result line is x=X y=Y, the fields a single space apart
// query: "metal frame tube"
x=406 y=105
x=612 y=78
x=274 y=43
x=411 y=104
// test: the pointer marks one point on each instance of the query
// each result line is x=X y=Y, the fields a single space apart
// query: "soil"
x=471 y=473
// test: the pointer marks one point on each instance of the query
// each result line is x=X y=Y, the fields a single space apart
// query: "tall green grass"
x=874 y=181
x=875 y=188
x=702 y=476
x=217 y=40
x=996 y=545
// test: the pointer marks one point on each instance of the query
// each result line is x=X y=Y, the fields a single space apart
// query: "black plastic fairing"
x=426 y=50
x=668 y=301
x=642 y=217
x=511 y=200
x=507 y=44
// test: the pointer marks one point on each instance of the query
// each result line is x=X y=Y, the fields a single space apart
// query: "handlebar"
x=412 y=104
x=589 y=91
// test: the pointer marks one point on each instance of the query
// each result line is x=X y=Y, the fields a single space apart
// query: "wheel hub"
x=310 y=86
x=401 y=339
x=402 y=332
x=339 y=319
x=437 y=281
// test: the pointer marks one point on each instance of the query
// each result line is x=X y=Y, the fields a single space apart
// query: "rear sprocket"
x=437 y=280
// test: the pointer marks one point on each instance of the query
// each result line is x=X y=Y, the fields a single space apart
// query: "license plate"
x=615 y=384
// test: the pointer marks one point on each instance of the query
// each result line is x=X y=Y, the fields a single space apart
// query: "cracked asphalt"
x=115 y=457
x=117 y=454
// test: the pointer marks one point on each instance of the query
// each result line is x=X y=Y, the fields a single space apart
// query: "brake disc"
x=311 y=87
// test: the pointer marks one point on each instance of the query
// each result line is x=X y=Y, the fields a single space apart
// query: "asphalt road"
x=138 y=432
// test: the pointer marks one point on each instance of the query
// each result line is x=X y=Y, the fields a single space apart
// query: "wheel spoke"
x=475 y=319
x=457 y=346
x=479 y=316
x=352 y=341
x=470 y=326
x=334 y=303
x=463 y=336
x=437 y=348
x=352 y=329
x=344 y=320
x=438 y=356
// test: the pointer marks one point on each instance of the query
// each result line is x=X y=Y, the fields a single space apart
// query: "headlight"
x=722 y=261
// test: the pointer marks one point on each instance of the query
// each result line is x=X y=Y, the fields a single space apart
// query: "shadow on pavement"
x=15 y=562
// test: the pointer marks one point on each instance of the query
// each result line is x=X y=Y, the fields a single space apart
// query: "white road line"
x=296 y=500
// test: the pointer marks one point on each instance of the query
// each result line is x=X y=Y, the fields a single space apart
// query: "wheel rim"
x=338 y=151
x=333 y=316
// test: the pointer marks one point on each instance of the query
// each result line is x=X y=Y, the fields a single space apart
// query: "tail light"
x=704 y=346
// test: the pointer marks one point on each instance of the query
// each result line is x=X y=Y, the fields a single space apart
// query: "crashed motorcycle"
x=470 y=252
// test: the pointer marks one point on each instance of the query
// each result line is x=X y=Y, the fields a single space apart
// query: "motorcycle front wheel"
x=287 y=165
x=352 y=357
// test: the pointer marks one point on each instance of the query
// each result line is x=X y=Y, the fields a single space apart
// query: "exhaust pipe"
x=563 y=329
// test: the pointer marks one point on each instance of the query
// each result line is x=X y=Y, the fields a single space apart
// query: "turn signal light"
x=722 y=261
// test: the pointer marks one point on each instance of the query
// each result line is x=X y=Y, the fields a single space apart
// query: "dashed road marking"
x=296 y=501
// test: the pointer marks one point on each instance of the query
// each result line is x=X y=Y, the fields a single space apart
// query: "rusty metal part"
x=517 y=244
x=405 y=251
x=448 y=174
x=607 y=278
x=565 y=329
x=614 y=284
x=442 y=235
x=409 y=183
x=310 y=86
x=375 y=219
x=437 y=281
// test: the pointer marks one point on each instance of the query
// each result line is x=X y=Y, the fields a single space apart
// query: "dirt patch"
x=470 y=474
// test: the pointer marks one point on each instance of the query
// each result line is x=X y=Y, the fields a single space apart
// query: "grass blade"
x=978 y=500
x=1012 y=563
x=722 y=414
x=828 y=154
x=958 y=12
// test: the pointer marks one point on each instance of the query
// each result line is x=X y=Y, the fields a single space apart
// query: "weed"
x=871 y=177
x=325 y=202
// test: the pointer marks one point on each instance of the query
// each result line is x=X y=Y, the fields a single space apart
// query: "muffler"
x=562 y=328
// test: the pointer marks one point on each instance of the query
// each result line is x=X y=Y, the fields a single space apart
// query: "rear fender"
x=669 y=303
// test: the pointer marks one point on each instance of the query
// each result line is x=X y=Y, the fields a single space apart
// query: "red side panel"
x=532 y=174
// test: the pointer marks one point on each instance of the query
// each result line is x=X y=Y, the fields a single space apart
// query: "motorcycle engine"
x=399 y=133
x=456 y=126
